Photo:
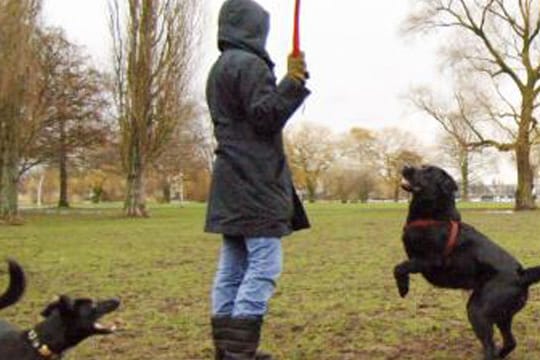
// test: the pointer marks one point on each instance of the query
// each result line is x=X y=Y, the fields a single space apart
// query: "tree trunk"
x=63 y=198
x=97 y=193
x=62 y=165
x=39 y=194
x=396 y=192
x=166 y=190
x=465 y=176
x=181 y=188
x=2 y=151
x=135 y=203
x=311 y=189
x=9 y=195
x=341 y=190
x=9 y=210
x=364 y=196
x=524 y=193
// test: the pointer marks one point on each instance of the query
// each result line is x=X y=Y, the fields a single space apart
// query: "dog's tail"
x=530 y=276
x=17 y=284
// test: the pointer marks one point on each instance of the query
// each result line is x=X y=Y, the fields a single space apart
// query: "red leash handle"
x=296 y=33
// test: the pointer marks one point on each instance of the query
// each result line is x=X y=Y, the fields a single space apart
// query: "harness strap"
x=452 y=237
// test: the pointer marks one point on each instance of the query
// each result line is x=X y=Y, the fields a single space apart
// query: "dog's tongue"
x=406 y=185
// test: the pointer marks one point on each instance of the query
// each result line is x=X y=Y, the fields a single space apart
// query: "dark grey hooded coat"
x=252 y=193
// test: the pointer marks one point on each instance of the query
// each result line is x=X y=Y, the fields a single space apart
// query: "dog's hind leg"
x=482 y=325
x=510 y=300
x=509 y=342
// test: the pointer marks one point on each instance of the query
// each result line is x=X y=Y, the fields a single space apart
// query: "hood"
x=244 y=24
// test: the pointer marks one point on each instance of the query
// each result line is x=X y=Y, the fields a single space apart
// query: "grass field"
x=336 y=298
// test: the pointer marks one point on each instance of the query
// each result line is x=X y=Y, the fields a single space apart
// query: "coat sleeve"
x=268 y=106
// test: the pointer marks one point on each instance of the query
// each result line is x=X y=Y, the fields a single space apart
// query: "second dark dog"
x=452 y=254
x=66 y=323
x=17 y=284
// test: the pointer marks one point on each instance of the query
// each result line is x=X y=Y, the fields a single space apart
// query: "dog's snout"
x=407 y=170
x=114 y=303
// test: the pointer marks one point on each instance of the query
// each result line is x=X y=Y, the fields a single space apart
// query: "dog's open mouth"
x=101 y=327
x=104 y=308
x=105 y=328
x=406 y=185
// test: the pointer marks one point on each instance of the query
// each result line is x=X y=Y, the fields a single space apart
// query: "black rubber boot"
x=237 y=338
x=219 y=333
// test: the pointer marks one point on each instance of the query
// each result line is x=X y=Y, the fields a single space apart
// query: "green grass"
x=335 y=300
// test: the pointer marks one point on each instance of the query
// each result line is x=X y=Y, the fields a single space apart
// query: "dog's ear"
x=61 y=303
x=66 y=304
x=446 y=183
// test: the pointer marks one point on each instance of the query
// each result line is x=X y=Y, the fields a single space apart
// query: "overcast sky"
x=361 y=66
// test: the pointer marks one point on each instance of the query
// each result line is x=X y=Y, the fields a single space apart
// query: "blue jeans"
x=246 y=276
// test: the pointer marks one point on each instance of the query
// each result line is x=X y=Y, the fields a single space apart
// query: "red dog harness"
x=452 y=238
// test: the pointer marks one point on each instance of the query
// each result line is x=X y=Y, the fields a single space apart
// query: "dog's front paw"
x=402 y=281
x=403 y=287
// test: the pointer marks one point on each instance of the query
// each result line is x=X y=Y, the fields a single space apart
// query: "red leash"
x=296 y=32
x=452 y=238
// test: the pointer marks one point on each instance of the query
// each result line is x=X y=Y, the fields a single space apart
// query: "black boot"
x=219 y=334
x=237 y=339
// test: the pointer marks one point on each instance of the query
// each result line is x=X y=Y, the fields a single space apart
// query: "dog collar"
x=452 y=237
x=41 y=348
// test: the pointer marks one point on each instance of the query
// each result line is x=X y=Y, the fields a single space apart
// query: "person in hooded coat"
x=252 y=202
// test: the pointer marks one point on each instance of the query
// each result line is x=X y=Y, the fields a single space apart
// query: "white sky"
x=360 y=64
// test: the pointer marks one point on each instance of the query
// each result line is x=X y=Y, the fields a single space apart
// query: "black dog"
x=16 y=287
x=452 y=254
x=67 y=322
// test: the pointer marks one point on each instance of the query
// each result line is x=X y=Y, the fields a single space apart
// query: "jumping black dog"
x=66 y=323
x=452 y=254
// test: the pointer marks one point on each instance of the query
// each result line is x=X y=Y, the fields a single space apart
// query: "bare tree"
x=361 y=146
x=457 y=118
x=395 y=148
x=181 y=153
x=153 y=59
x=73 y=99
x=353 y=176
x=470 y=163
x=17 y=32
x=102 y=170
x=204 y=141
x=311 y=151
x=346 y=182
x=499 y=43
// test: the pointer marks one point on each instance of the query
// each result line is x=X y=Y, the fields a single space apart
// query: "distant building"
x=494 y=192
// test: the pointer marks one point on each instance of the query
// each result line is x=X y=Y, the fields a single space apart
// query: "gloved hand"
x=296 y=68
